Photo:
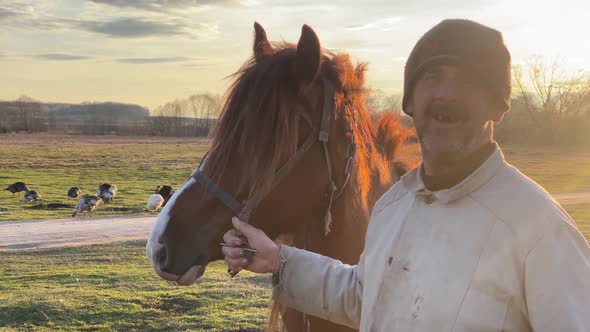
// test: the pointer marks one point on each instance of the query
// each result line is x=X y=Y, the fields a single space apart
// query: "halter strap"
x=321 y=134
x=217 y=191
x=328 y=109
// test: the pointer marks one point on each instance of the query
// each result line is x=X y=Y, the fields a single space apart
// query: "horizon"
x=152 y=52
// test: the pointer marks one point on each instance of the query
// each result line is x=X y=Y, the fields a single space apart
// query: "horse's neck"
x=350 y=218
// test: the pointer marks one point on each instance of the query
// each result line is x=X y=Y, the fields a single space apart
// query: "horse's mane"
x=264 y=128
x=390 y=134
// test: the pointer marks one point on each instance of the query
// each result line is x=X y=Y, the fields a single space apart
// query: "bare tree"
x=193 y=116
x=30 y=110
x=379 y=101
x=557 y=92
x=554 y=99
x=521 y=91
x=203 y=108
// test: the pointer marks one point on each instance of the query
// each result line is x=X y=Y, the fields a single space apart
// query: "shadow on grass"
x=30 y=315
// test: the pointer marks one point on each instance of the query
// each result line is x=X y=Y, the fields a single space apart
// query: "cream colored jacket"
x=494 y=253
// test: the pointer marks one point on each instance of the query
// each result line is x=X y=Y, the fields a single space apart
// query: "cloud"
x=385 y=24
x=10 y=16
x=6 y=14
x=121 y=27
x=199 y=65
x=250 y=3
x=158 y=5
x=140 y=28
x=133 y=27
x=28 y=18
x=69 y=57
x=61 y=57
x=152 y=60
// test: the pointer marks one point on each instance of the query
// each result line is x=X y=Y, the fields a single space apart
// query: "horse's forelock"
x=255 y=122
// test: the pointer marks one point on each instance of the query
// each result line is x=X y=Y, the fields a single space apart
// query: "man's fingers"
x=236 y=232
x=231 y=238
x=232 y=252
x=244 y=228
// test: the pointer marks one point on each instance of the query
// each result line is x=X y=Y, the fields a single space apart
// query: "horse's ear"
x=307 y=63
x=262 y=47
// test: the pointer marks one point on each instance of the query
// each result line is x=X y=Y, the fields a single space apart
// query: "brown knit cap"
x=466 y=43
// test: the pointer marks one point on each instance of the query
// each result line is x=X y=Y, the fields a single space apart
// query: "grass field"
x=53 y=164
x=112 y=287
x=581 y=214
x=558 y=170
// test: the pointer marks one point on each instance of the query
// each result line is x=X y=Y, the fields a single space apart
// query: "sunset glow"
x=151 y=52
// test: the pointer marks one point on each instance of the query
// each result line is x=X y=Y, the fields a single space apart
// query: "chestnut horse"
x=295 y=141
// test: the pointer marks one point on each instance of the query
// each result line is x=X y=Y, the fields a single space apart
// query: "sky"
x=151 y=52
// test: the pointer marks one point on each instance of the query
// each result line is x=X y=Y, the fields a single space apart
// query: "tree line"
x=193 y=116
x=550 y=106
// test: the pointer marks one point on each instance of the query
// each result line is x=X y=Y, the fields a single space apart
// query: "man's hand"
x=266 y=260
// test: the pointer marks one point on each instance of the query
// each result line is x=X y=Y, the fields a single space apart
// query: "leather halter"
x=321 y=134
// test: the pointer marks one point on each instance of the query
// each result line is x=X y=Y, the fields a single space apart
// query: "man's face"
x=452 y=110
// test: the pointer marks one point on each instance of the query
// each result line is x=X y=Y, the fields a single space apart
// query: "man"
x=465 y=242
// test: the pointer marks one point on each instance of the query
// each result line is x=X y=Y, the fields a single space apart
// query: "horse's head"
x=282 y=152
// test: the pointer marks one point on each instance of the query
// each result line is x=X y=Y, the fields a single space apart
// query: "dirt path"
x=72 y=232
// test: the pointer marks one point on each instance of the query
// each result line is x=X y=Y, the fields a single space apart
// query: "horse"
x=296 y=154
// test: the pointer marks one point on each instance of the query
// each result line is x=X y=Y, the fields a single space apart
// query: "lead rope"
x=350 y=155
x=331 y=190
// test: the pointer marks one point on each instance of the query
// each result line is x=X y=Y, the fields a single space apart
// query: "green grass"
x=558 y=170
x=53 y=164
x=112 y=287
x=581 y=214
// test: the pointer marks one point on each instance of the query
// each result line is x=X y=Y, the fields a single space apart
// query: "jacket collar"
x=413 y=180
